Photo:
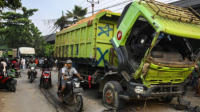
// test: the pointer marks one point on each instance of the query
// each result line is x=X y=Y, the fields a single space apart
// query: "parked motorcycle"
x=72 y=93
x=11 y=72
x=46 y=78
x=17 y=72
x=8 y=83
x=32 y=74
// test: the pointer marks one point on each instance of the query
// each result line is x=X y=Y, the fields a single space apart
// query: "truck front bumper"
x=154 y=92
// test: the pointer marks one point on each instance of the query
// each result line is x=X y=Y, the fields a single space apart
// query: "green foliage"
x=77 y=14
x=11 y=4
x=17 y=30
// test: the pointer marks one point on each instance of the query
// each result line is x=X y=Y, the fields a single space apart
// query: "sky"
x=50 y=10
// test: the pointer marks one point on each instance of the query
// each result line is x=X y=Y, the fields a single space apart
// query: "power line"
x=82 y=2
x=101 y=4
x=112 y=6
x=92 y=3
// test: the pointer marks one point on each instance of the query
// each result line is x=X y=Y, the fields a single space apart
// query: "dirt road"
x=30 y=98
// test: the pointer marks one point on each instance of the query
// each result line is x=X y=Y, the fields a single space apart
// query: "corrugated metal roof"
x=50 y=37
x=185 y=3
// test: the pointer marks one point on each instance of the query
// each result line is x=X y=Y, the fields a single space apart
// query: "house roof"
x=186 y=3
x=50 y=37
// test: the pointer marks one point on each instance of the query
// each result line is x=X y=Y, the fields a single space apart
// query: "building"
x=50 y=38
x=195 y=4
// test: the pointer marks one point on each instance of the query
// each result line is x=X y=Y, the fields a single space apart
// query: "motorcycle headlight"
x=76 y=84
x=32 y=68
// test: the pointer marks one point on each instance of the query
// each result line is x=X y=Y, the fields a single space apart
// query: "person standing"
x=36 y=62
x=4 y=66
x=8 y=65
x=56 y=62
x=196 y=74
x=23 y=62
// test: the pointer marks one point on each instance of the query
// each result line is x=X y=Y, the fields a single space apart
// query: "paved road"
x=30 y=98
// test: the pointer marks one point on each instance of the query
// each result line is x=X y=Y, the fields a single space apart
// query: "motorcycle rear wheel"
x=13 y=88
x=79 y=103
x=31 y=78
x=46 y=84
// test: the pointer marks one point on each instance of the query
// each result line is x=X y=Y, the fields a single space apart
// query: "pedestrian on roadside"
x=196 y=75
x=36 y=62
x=56 y=62
x=4 y=66
x=8 y=65
x=23 y=62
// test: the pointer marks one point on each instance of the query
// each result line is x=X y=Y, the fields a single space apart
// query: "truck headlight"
x=139 y=89
x=76 y=84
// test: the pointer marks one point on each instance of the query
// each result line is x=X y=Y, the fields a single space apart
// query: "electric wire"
x=82 y=2
x=112 y=6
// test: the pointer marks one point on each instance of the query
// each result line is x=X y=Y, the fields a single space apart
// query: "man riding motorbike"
x=45 y=66
x=31 y=65
x=67 y=71
x=16 y=66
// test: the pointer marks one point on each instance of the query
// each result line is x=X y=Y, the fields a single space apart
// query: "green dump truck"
x=142 y=53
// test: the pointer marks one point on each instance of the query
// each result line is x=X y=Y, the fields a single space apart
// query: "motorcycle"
x=46 y=78
x=12 y=73
x=17 y=72
x=8 y=83
x=32 y=74
x=72 y=93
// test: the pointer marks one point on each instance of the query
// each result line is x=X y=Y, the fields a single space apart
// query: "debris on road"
x=185 y=106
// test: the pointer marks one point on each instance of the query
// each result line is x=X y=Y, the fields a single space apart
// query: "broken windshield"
x=172 y=49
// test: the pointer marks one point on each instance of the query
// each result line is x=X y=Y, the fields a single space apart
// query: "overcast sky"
x=52 y=9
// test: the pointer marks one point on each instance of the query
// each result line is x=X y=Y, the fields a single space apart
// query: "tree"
x=77 y=14
x=16 y=27
x=11 y=4
x=17 y=30
x=62 y=22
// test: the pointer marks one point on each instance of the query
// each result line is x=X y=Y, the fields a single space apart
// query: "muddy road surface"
x=30 y=98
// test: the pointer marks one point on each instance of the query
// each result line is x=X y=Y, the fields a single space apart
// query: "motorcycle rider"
x=67 y=71
x=16 y=66
x=45 y=66
x=32 y=65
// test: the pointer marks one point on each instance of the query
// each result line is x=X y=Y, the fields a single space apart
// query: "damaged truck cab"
x=154 y=56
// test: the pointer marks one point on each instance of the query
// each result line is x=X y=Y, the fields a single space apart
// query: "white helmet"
x=69 y=61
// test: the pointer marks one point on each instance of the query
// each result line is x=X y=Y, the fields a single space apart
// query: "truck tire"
x=166 y=99
x=111 y=98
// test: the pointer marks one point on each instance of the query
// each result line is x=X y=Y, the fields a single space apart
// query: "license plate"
x=78 y=90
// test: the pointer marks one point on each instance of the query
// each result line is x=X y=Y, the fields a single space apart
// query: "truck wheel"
x=166 y=99
x=111 y=98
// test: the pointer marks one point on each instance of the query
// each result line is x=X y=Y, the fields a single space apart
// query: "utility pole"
x=92 y=2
